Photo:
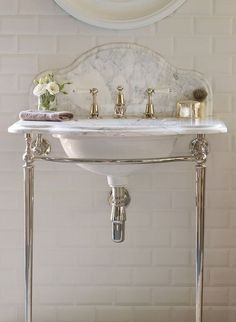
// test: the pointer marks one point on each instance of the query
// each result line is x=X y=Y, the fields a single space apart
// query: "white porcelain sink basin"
x=126 y=139
x=115 y=139
x=116 y=147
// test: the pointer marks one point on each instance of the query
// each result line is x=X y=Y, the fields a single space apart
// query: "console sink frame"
x=198 y=155
x=108 y=66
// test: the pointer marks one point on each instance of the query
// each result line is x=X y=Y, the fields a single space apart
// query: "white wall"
x=80 y=276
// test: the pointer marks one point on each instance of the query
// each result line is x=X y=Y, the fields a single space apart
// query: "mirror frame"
x=72 y=7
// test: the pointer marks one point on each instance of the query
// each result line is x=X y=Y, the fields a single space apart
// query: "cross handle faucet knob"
x=94 y=110
x=149 y=112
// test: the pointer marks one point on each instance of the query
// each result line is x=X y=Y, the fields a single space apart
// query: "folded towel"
x=34 y=115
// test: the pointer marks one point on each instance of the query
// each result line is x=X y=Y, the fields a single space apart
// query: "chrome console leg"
x=200 y=213
x=28 y=206
x=199 y=149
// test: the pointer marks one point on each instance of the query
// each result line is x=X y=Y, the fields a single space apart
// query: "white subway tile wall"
x=80 y=275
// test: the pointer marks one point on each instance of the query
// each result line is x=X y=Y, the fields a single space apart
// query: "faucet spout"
x=120 y=106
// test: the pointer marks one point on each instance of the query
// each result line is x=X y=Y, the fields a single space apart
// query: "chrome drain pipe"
x=119 y=199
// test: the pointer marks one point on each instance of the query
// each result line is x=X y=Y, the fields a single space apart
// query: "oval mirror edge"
x=143 y=21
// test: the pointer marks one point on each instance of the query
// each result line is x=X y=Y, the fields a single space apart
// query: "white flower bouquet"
x=46 y=90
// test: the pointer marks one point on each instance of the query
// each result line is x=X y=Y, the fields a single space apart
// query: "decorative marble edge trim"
x=158 y=127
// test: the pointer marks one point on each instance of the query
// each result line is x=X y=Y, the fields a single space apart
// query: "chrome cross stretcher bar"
x=199 y=152
x=116 y=161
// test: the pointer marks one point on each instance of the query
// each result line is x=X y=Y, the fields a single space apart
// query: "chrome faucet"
x=120 y=106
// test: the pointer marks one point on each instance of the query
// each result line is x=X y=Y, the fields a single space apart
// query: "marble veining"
x=124 y=127
x=135 y=68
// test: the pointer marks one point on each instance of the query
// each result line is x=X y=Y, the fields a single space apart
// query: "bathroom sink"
x=119 y=80
x=115 y=147
x=129 y=138
x=115 y=139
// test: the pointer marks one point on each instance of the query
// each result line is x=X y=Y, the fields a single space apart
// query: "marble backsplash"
x=134 y=67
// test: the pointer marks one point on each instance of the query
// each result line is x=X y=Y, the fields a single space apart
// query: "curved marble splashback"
x=135 y=68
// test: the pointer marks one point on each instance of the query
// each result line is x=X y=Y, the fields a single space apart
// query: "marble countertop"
x=122 y=127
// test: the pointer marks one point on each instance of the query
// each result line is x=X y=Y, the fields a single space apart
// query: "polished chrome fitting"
x=199 y=148
x=28 y=156
x=120 y=106
x=119 y=199
x=40 y=146
x=94 y=110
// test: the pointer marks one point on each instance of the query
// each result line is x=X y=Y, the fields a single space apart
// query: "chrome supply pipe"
x=119 y=199
x=118 y=218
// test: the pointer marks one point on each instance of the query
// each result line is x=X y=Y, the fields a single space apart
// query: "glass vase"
x=45 y=104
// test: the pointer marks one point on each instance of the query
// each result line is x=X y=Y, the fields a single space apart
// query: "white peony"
x=53 y=88
x=40 y=89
